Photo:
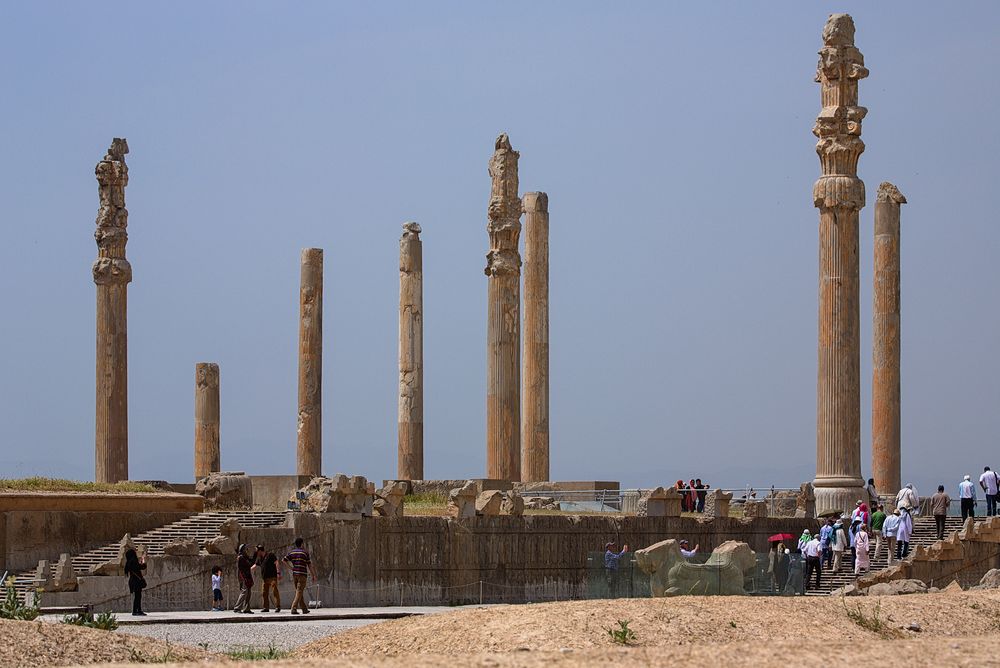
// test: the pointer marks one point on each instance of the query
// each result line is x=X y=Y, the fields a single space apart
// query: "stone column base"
x=838 y=494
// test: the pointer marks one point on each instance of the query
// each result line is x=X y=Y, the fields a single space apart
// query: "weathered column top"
x=411 y=229
x=206 y=374
x=112 y=217
x=537 y=202
x=504 y=211
x=887 y=192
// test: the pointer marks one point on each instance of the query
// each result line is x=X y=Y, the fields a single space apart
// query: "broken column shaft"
x=885 y=341
x=411 y=355
x=503 y=339
x=309 y=452
x=535 y=411
x=112 y=274
x=839 y=194
x=206 y=420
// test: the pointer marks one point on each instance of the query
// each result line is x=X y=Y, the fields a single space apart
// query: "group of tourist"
x=989 y=482
x=269 y=566
x=693 y=495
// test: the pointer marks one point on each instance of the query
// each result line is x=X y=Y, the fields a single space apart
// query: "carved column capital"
x=112 y=217
x=887 y=192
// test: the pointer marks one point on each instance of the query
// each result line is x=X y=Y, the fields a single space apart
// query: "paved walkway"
x=261 y=635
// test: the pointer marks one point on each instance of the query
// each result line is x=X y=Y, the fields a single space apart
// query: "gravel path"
x=225 y=637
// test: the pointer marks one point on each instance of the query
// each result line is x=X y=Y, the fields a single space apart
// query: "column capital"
x=888 y=192
x=206 y=375
x=537 y=202
x=112 y=217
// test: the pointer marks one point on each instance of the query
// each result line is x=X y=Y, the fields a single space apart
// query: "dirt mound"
x=47 y=644
x=582 y=625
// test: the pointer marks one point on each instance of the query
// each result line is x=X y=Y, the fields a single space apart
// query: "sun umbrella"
x=780 y=536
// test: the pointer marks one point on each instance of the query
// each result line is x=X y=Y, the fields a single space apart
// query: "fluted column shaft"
x=503 y=342
x=839 y=195
x=309 y=452
x=411 y=355
x=535 y=409
x=886 y=342
x=112 y=274
x=207 y=456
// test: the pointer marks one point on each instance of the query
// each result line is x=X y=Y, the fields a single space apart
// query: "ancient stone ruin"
x=207 y=457
x=309 y=434
x=671 y=574
x=229 y=489
x=338 y=494
x=411 y=354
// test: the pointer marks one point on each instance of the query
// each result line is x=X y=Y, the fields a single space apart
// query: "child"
x=217 y=588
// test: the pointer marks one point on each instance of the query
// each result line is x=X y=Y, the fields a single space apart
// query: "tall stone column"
x=885 y=341
x=411 y=354
x=206 y=419
x=839 y=194
x=503 y=339
x=309 y=454
x=535 y=411
x=112 y=274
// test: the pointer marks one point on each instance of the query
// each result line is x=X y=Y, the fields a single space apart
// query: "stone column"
x=309 y=455
x=885 y=341
x=112 y=274
x=535 y=411
x=839 y=194
x=503 y=344
x=206 y=419
x=411 y=355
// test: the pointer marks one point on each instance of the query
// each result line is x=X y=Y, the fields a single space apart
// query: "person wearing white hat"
x=967 y=497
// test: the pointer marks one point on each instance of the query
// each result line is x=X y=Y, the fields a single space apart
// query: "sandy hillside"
x=45 y=644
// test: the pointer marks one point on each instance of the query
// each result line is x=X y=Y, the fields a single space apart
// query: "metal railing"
x=627 y=500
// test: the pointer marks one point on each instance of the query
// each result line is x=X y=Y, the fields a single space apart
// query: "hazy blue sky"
x=674 y=141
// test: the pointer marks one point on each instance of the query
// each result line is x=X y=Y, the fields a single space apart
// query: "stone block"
x=64 y=578
x=184 y=547
x=488 y=503
x=897 y=588
x=805 y=502
x=231 y=527
x=848 y=590
x=512 y=504
x=221 y=545
x=659 y=502
x=226 y=490
x=462 y=501
x=720 y=507
x=752 y=509
x=389 y=500
x=337 y=494
x=990 y=581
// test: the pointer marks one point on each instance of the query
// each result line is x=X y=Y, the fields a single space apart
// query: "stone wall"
x=272 y=492
x=35 y=526
x=441 y=561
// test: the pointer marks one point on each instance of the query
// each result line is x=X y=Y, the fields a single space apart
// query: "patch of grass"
x=105 y=621
x=732 y=623
x=37 y=484
x=13 y=608
x=623 y=635
x=270 y=653
x=873 y=621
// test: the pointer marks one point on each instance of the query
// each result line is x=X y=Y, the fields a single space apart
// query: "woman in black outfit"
x=136 y=581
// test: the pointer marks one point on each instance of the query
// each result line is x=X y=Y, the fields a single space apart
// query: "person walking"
x=873 y=499
x=861 y=542
x=825 y=541
x=878 y=520
x=839 y=543
x=907 y=498
x=270 y=573
x=244 y=575
x=939 y=509
x=903 y=533
x=813 y=552
x=136 y=580
x=990 y=483
x=777 y=566
x=804 y=540
x=967 y=497
x=302 y=567
x=855 y=527
x=889 y=529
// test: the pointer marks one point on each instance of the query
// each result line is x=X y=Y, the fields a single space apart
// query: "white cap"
x=967 y=478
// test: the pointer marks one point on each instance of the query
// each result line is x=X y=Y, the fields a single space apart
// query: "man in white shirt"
x=989 y=482
x=685 y=552
x=813 y=552
x=967 y=497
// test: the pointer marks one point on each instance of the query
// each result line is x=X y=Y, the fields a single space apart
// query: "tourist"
x=939 y=509
x=855 y=527
x=702 y=494
x=861 y=513
x=692 y=496
x=967 y=497
x=873 y=499
x=839 y=544
x=825 y=540
x=813 y=552
x=889 y=529
x=686 y=552
x=878 y=520
x=217 y=589
x=903 y=533
x=861 y=550
x=679 y=486
x=990 y=482
x=270 y=573
x=777 y=565
x=244 y=575
x=803 y=540
x=907 y=498
x=134 y=566
x=301 y=568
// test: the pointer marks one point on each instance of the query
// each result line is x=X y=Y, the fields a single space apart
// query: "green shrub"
x=623 y=635
x=257 y=653
x=105 y=621
x=38 y=484
x=13 y=608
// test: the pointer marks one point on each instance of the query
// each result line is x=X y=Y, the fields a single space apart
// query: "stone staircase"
x=924 y=533
x=201 y=527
